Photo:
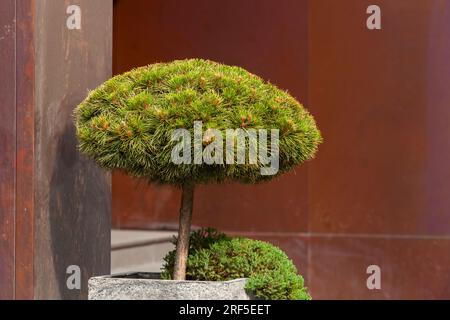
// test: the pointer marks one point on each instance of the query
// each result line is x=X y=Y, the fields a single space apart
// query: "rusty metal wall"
x=16 y=149
x=378 y=191
x=25 y=156
x=7 y=149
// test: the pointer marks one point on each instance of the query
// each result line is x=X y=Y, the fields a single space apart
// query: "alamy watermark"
x=374 y=20
x=73 y=281
x=209 y=148
x=73 y=21
x=374 y=280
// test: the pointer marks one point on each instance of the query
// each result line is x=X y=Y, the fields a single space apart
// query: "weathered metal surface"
x=72 y=202
x=378 y=192
x=24 y=238
x=7 y=147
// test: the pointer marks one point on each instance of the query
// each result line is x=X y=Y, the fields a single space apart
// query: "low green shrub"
x=215 y=257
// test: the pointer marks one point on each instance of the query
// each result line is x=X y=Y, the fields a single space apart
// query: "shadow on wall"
x=74 y=180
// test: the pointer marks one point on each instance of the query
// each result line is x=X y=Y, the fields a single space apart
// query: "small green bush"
x=216 y=257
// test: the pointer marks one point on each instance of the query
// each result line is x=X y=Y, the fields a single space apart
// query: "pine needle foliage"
x=127 y=122
x=215 y=257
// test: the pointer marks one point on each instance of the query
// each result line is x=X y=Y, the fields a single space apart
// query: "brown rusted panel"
x=7 y=147
x=24 y=279
x=410 y=267
x=73 y=197
x=140 y=205
x=377 y=96
x=436 y=218
x=268 y=38
x=381 y=98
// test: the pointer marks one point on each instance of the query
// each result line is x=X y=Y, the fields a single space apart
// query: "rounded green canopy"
x=194 y=120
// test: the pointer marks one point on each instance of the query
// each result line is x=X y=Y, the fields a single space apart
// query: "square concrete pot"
x=149 y=286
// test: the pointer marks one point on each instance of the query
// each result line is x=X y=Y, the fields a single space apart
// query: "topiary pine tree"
x=128 y=123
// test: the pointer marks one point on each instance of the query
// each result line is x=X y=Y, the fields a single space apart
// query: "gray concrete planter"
x=149 y=286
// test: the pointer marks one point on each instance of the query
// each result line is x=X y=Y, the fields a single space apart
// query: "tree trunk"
x=187 y=201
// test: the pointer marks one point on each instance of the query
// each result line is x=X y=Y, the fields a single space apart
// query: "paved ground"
x=134 y=250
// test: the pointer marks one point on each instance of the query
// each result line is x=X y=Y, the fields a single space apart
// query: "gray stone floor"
x=135 y=250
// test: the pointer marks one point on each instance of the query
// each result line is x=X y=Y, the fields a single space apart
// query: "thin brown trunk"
x=187 y=201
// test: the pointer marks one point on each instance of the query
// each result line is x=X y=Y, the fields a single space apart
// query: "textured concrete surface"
x=139 y=250
x=130 y=238
x=152 y=288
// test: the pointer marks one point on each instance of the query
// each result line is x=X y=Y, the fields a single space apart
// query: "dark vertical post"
x=25 y=125
x=73 y=55
x=7 y=147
